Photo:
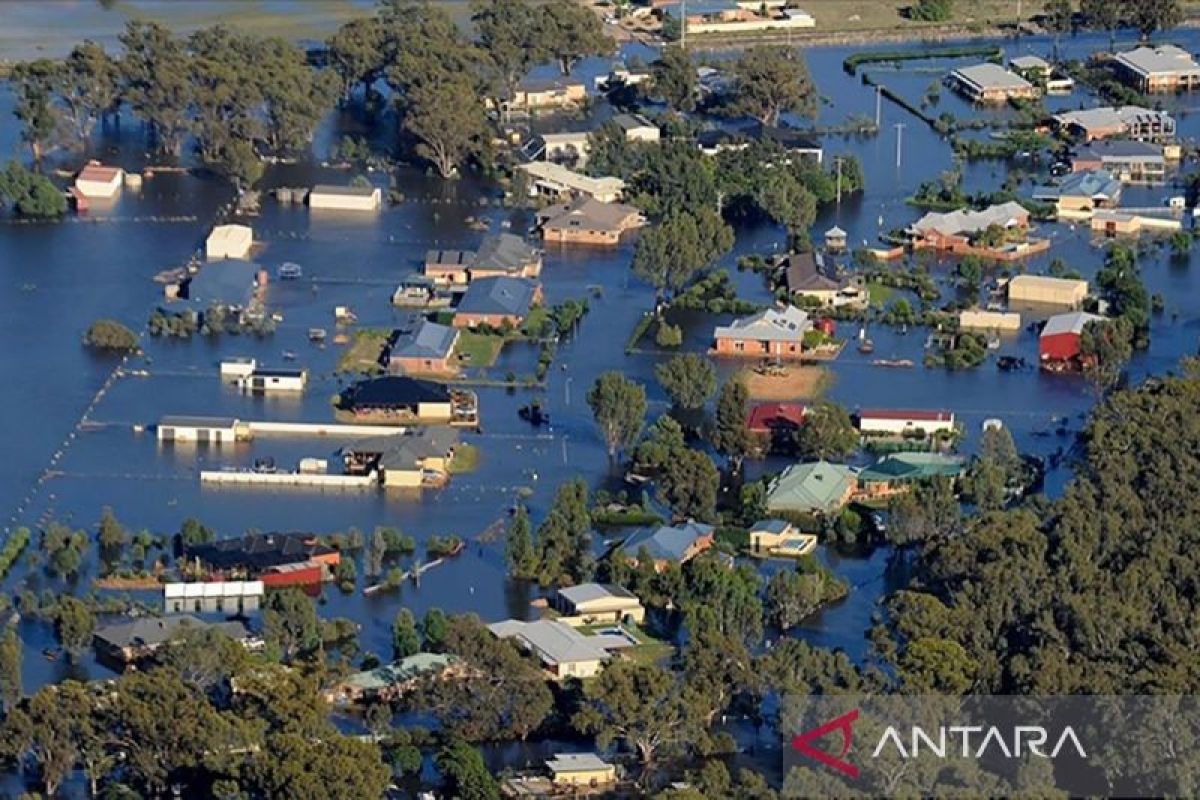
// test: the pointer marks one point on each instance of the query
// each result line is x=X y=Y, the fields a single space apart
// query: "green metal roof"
x=912 y=467
x=817 y=486
x=400 y=671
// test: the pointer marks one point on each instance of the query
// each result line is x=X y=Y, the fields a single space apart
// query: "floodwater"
x=58 y=278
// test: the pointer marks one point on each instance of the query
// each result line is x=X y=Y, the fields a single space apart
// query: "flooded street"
x=69 y=428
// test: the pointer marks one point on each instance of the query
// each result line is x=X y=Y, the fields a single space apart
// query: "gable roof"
x=1069 y=323
x=589 y=213
x=992 y=76
x=912 y=466
x=806 y=273
x=499 y=295
x=554 y=641
x=98 y=173
x=402 y=671
x=1090 y=183
x=816 y=486
x=504 y=252
x=395 y=390
x=766 y=416
x=587 y=592
x=966 y=220
x=259 y=550
x=772 y=325
x=155 y=631
x=576 y=762
x=668 y=542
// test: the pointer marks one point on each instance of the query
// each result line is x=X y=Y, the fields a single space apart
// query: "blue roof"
x=668 y=543
x=499 y=295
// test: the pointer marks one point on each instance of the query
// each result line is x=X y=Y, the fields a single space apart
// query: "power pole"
x=899 y=138
x=838 y=161
x=878 y=106
x=683 y=25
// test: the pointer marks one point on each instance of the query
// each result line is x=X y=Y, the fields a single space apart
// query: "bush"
x=108 y=334
x=668 y=335
x=12 y=549
x=932 y=10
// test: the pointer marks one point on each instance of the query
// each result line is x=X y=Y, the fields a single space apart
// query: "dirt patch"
x=786 y=383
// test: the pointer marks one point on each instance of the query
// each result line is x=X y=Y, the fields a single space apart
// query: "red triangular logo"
x=845 y=724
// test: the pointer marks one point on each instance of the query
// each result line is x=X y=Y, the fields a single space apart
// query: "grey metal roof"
x=991 y=76
x=668 y=542
x=586 y=212
x=196 y=422
x=427 y=340
x=1069 y=323
x=554 y=642
x=772 y=325
x=154 y=631
x=587 y=592
x=1164 y=59
x=354 y=191
x=499 y=295
x=504 y=251
x=576 y=762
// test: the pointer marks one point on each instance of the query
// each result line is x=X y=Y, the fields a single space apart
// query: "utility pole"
x=683 y=25
x=899 y=138
x=838 y=161
x=878 y=107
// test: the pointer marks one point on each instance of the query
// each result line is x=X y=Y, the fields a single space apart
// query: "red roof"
x=925 y=416
x=98 y=172
x=771 y=415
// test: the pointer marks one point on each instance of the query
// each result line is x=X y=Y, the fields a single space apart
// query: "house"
x=1041 y=72
x=406 y=461
x=213 y=597
x=777 y=537
x=1059 y=342
x=775 y=419
x=808 y=277
x=547 y=179
x=974 y=319
x=637 y=128
x=775 y=332
x=98 y=182
x=1128 y=161
x=229 y=241
x=954 y=231
x=571 y=146
x=816 y=487
x=670 y=543
x=740 y=16
x=892 y=422
x=835 y=240
x=497 y=302
x=1165 y=68
x=580 y=769
x=1133 y=122
x=125 y=642
x=426 y=348
x=792 y=140
x=389 y=682
x=283 y=379
x=503 y=254
x=1111 y=222
x=1080 y=193
x=345 y=198
x=591 y=603
x=265 y=555
x=992 y=83
x=418 y=291
x=565 y=652
x=303 y=574
x=399 y=400
x=554 y=94
x=1044 y=290
x=898 y=472
x=588 y=221
x=202 y=430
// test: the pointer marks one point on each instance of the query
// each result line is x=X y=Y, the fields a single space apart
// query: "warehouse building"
x=202 y=430
x=213 y=597
x=345 y=198
x=229 y=241
x=1044 y=290
x=1165 y=68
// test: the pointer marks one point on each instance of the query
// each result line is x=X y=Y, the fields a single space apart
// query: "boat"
x=265 y=465
x=288 y=355
x=892 y=362
x=50 y=655
x=316 y=334
x=289 y=271
x=866 y=346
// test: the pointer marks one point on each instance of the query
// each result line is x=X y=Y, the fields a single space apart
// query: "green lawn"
x=362 y=355
x=466 y=459
x=878 y=293
x=477 y=349
x=649 y=650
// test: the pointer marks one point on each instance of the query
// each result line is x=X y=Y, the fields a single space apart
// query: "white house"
x=899 y=422
x=554 y=180
x=345 y=198
x=262 y=380
x=203 y=430
x=229 y=241
x=637 y=128
x=237 y=368
x=98 y=181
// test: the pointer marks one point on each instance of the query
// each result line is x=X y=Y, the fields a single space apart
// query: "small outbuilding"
x=345 y=198
x=1044 y=290
x=1060 y=341
x=98 y=182
x=202 y=430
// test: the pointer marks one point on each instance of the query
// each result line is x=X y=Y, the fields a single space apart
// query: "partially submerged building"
x=1133 y=122
x=780 y=538
x=213 y=597
x=957 y=231
x=992 y=83
x=1127 y=160
x=201 y=430
x=389 y=682
x=1165 y=68
x=1081 y=193
x=773 y=333
x=808 y=276
x=817 y=487
x=670 y=543
x=265 y=380
x=405 y=461
x=345 y=198
x=1059 y=344
x=547 y=179
x=497 y=302
x=1044 y=290
x=975 y=319
x=580 y=770
x=904 y=422
x=588 y=221
x=98 y=182
x=229 y=241
x=499 y=255
x=400 y=400
x=123 y=643
x=425 y=347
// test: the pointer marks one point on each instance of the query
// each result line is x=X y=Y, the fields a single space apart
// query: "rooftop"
x=210 y=589
x=557 y=173
x=1029 y=62
x=1090 y=183
x=576 y=762
x=1069 y=323
x=902 y=414
x=627 y=122
x=965 y=221
x=768 y=415
x=589 y=592
x=504 y=252
x=776 y=325
x=1112 y=117
x=587 y=212
x=395 y=390
x=155 y=631
x=1047 y=283
x=98 y=172
x=353 y=191
x=912 y=466
x=259 y=550
x=555 y=642
x=427 y=340
x=1123 y=149
x=992 y=77
x=816 y=486
x=499 y=295
x=405 y=451
x=446 y=258
x=1162 y=60
x=402 y=671
x=668 y=542
x=806 y=272
x=197 y=422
